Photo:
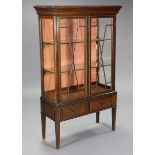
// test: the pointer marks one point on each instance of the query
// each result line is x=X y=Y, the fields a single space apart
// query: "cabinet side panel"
x=48 y=63
x=41 y=55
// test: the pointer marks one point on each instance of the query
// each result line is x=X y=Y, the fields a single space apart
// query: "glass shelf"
x=75 y=41
x=63 y=27
x=94 y=65
x=47 y=43
x=65 y=69
x=84 y=26
x=68 y=68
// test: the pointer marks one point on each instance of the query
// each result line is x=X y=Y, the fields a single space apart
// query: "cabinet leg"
x=113 y=118
x=97 y=117
x=57 y=133
x=43 y=123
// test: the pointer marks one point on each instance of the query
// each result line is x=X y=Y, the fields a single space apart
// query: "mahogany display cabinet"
x=77 y=59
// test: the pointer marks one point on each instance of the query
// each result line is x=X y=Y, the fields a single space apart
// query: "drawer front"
x=74 y=110
x=100 y=103
x=47 y=110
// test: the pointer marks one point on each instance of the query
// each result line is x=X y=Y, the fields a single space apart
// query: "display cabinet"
x=77 y=59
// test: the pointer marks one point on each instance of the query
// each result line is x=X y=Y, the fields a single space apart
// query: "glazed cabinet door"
x=72 y=49
x=101 y=48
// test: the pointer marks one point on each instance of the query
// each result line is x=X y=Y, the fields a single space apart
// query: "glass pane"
x=72 y=43
x=101 y=45
x=47 y=29
x=48 y=56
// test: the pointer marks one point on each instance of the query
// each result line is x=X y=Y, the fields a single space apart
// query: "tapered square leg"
x=57 y=133
x=43 y=124
x=97 y=117
x=113 y=118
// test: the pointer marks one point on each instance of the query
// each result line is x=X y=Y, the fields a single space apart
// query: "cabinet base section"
x=77 y=108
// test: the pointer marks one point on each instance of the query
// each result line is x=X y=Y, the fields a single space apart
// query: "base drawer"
x=99 y=103
x=47 y=110
x=74 y=110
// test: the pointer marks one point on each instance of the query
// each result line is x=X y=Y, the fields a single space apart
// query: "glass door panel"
x=72 y=44
x=101 y=46
x=48 y=56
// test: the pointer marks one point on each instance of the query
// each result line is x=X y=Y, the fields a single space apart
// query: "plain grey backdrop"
x=81 y=135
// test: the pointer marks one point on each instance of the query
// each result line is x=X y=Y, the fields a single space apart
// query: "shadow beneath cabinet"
x=103 y=128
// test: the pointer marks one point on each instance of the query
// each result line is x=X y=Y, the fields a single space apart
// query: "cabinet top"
x=77 y=10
